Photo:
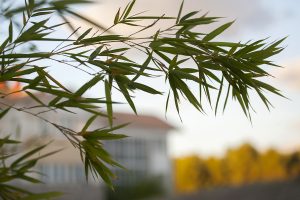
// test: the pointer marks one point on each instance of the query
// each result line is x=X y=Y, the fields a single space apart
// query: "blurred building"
x=144 y=153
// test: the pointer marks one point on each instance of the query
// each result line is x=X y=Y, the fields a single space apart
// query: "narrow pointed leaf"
x=217 y=31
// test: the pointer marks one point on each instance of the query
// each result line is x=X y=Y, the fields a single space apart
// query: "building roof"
x=142 y=121
x=137 y=121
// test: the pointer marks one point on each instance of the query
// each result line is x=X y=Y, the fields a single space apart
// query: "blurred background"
x=212 y=135
x=206 y=156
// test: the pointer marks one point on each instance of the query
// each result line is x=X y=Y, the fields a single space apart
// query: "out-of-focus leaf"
x=48 y=195
x=103 y=135
x=26 y=155
x=4 y=112
x=28 y=55
x=87 y=20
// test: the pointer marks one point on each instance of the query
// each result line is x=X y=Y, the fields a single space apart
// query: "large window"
x=62 y=173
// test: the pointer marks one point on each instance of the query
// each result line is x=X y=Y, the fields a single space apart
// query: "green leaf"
x=84 y=34
x=88 y=85
x=24 y=19
x=31 y=33
x=6 y=140
x=31 y=5
x=29 y=55
x=217 y=32
x=167 y=102
x=150 y=17
x=47 y=195
x=10 y=31
x=188 y=16
x=95 y=53
x=35 y=98
x=29 y=179
x=104 y=135
x=116 y=20
x=4 y=112
x=3 y=45
x=128 y=10
x=179 y=12
x=109 y=107
x=219 y=95
x=86 y=19
x=125 y=93
x=27 y=9
x=88 y=123
x=56 y=82
x=28 y=154
x=41 y=13
x=103 y=38
x=145 y=88
x=143 y=67
x=8 y=76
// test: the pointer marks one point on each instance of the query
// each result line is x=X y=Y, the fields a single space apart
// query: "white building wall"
x=145 y=150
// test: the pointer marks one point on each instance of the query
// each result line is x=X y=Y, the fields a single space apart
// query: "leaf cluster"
x=20 y=168
x=180 y=54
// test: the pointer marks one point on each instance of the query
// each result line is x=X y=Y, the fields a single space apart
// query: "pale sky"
x=209 y=134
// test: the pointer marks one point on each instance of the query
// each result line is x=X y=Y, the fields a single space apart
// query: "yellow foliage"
x=190 y=174
x=242 y=165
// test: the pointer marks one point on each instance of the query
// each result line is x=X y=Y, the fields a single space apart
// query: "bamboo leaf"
x=116 y=20
x=3 y=45
x=95 y=53
x=10 y=31
x=125 y=93
x=86 y=19
x=88 y=85
x=28 y=154
x=103 y=135
x=88 y=123
x=35 y=98
x=219 y=95
x=217 y=32
x=126 y=12
x=109 y=107
x=47 y=195
x=4 y=112
x=104 y=38
x=143 y=87
x=179 y=12
x=84 y=34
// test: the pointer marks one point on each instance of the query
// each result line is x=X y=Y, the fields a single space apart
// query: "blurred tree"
x=188 y=174
x=293 y=164
x=179 y=54
x=272 y=166
x=242 y=165
x=217 y=171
